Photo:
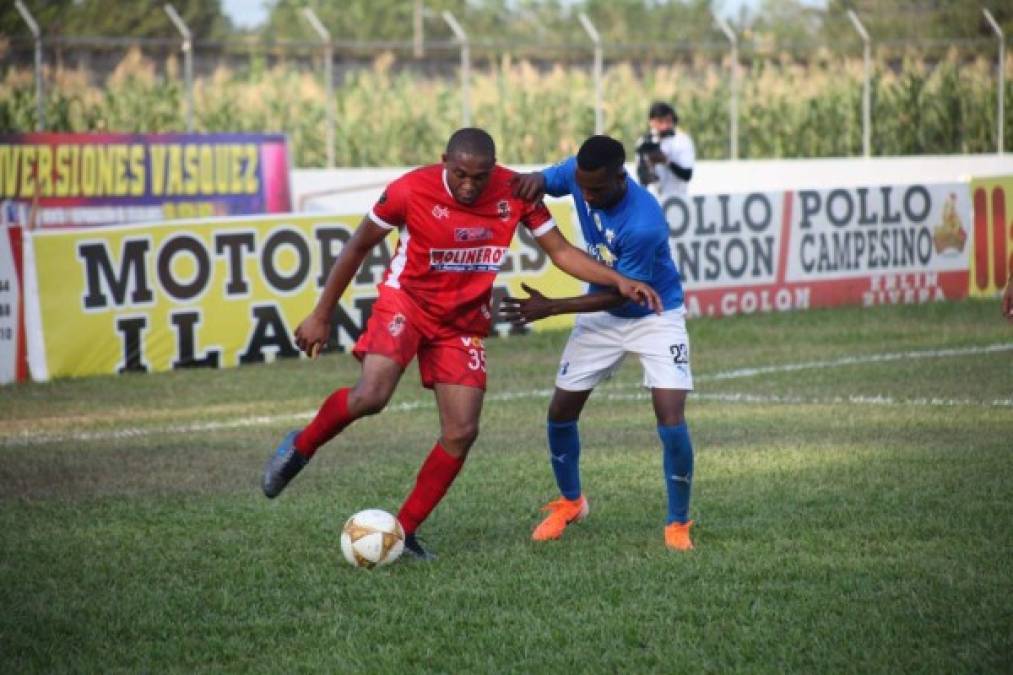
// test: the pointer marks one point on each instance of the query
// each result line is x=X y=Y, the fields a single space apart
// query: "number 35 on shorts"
x=476 y=352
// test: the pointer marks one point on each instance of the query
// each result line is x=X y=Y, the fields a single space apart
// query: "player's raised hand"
x=520 y=311
x=641 y=293
x=311 y=335
x=528 y=186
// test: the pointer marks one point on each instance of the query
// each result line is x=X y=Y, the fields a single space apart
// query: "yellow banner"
x=222 y=293
x=992 y=238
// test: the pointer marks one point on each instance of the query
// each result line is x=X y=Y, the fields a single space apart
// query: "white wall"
x=357 y=189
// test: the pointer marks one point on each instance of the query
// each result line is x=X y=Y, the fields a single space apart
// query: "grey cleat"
x=282 y=467
x=414 y=548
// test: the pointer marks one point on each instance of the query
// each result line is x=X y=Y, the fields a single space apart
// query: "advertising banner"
x=13 y=367
x=213 y=293
x=52 y=180
x=778 y=251
x=992 y=241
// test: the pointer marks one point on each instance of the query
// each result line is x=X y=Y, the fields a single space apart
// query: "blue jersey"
x=631 y=237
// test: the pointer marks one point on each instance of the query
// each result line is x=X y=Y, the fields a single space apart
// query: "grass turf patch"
x=832 y=535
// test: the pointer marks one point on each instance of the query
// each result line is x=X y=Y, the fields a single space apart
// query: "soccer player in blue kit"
x=624 y=227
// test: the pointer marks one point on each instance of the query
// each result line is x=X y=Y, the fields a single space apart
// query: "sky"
x=250 y=13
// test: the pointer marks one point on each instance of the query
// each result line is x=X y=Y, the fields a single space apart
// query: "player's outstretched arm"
x=576 y=263
x=314 y=330
x=520 y=311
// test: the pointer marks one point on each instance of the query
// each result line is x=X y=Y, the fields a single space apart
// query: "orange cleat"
x=563 y=511
x=677 y=536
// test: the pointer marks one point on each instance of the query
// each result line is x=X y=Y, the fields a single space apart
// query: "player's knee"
x=368 y=400
x=671 y=418
x=461 y=436
x=560 y=414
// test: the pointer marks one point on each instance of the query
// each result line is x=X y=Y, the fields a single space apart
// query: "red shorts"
x=399 y=330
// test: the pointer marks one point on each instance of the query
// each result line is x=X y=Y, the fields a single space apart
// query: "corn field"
x=391 y=118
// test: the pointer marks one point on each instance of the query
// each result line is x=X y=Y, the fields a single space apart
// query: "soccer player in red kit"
x=456 y=221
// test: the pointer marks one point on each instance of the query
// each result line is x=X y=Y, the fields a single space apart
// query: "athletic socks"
x=564 y=456
x=434 y=479
x=329 y=421
x=677 y=451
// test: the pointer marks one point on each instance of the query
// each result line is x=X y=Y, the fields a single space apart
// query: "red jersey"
x=449 y=253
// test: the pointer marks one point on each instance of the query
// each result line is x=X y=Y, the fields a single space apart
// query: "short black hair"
x=601 y=151
x=472 y=141
x=661 y=109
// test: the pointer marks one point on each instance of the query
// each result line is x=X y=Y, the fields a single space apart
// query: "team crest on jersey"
x=397 y=324
x=602 y=254
x=472 y=233
x=441 y=212
x=503 y=208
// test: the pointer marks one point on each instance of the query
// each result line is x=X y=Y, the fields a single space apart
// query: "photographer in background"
x=665 y=154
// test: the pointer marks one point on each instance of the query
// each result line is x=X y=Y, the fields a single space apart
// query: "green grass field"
x=853 y=499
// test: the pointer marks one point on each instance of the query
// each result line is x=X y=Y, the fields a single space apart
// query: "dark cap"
x=662 y=109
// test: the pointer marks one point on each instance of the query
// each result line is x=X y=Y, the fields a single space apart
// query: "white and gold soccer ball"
x=372 y=538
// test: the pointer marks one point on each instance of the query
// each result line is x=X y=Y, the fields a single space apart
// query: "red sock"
x=437 y=473
x=330 y=420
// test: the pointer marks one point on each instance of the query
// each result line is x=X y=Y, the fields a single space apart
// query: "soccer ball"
x=372 y=538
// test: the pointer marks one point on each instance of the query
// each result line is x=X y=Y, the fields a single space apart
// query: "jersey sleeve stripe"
x=380 y=222
x=544 y=228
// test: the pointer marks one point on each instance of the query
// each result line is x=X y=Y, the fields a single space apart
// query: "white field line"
x=27 y=438
x=858 y=360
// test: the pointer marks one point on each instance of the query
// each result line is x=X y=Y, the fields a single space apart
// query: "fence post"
x=866 y=84
x=187 y=60
x=1000 y=114
x=418 y=39
x=329 y=111
x=462 y=38
x=733 y=103
x=40 y=106
x=599 y=57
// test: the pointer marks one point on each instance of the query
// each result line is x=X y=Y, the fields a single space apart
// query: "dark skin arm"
x=520 y=311
x=312 y=333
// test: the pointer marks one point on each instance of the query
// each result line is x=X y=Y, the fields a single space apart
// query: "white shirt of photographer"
x=679 y=149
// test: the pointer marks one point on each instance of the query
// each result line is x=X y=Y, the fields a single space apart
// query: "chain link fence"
x=393 y=106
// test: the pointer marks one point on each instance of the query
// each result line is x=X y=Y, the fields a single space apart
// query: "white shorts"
x=600 y=341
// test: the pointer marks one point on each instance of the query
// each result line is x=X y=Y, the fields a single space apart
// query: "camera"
x=648 y=144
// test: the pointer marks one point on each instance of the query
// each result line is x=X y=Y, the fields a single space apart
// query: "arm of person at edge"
x=316 y=328
x=520 y=311
x=576 y=263
x=1007 y=300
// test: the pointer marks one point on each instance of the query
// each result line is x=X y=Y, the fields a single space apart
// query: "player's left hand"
x=520 y=311
x=641 y=293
